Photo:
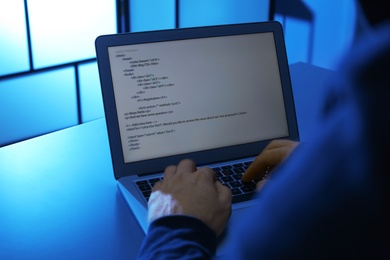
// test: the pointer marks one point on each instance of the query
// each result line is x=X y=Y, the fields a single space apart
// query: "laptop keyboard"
x=228 y=175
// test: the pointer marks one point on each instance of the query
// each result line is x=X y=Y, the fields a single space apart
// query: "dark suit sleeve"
x=178 y=237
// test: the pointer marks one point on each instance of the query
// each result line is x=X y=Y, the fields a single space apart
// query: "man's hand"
x=194 y=192
x=272 y=155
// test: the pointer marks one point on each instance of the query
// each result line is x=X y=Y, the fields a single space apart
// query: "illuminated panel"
x=65 y=31
x=298 y=47
x=37 y=104
x=318 y=32
x=147 y=15
x=13 y=38
x=90 y=93
x=216 y=12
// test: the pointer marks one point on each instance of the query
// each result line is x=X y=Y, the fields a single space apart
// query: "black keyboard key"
x=226 y=167
x=239 y=170
x=227 y=172
x=235 y=184
x=145 y=187
x=218 y=174
x=226 y=179
x=154 y=180
x=248 y=188
x=238 y=165
x=144 y=182
x=147 y=193
x=237 y=177
x=236 y=191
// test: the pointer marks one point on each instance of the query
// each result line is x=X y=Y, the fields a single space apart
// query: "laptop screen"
x=184 y=96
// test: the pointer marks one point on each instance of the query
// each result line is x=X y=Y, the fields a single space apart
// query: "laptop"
x=216 y=95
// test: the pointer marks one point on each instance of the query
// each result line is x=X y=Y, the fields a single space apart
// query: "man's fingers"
x=223 y=192
x=208 y=177
x=272 y=155
x=259 y=166
x=169 y=172
x=260 y=184
x=279 y=143
x=157 y=186
x=186 y=166
x=206 y=174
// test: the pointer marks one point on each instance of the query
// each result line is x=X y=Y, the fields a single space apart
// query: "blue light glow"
x=37 y=104
x=323 y=39
x=65 y=31
x=13 y=37
x=216 y=12
x=147 y=15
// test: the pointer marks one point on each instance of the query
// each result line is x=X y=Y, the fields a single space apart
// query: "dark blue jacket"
x=330 y=199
